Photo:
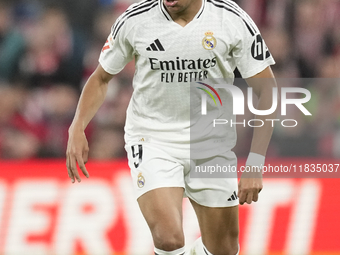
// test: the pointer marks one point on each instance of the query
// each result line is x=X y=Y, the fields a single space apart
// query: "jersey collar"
x=168 y=17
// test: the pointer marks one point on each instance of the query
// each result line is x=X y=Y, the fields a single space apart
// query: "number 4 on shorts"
x=137 y=151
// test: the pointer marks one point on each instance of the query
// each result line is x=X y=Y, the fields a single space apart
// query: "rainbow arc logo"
x=209 y=93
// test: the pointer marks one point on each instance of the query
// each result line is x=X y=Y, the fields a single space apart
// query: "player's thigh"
x=162 y=206
x=219 y=228
x=162 y=210
x=216 y=204
x=158 y=180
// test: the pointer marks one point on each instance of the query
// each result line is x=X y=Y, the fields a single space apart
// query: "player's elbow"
x=101 y=76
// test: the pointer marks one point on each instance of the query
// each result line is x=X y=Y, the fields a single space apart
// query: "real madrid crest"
x=140 y=180
x=209 y=41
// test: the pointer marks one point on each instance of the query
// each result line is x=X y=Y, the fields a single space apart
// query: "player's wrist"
x=255 y=160
x=76 y=127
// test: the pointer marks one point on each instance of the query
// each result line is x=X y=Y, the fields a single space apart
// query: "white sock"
x=198 y=248
x=238 y=249
x=206 y=250
x=208 y=253
x=179 y=251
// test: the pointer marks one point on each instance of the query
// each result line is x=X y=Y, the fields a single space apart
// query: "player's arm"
x=91 y=99
x=263 y=84
x=251 y=182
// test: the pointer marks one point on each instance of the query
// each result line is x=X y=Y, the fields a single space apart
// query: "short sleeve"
x=117 y=50
x=250 y=52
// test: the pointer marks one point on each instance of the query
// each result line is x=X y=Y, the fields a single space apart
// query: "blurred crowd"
x=49 y=48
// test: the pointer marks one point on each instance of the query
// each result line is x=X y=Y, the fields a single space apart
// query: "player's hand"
x=249 y=186
x=77 y=151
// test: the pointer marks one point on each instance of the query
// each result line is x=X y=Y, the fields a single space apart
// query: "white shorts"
x=153 y=167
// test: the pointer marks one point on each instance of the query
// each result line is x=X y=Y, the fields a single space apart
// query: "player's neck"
x=187 y=14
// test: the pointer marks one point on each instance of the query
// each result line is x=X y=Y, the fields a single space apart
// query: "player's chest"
x=170 y=41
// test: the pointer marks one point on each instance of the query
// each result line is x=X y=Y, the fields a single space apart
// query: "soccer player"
x=175 y=42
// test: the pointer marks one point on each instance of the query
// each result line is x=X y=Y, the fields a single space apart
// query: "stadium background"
x=47 y=51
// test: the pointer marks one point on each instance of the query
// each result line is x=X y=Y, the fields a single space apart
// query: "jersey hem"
x=215 y=204
x=140 y=193
x=108 y=69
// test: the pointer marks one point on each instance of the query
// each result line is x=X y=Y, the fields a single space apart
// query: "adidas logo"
x=155 y=46
x=233 y=196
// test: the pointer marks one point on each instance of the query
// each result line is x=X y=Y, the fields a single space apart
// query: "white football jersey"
x=168 y=57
